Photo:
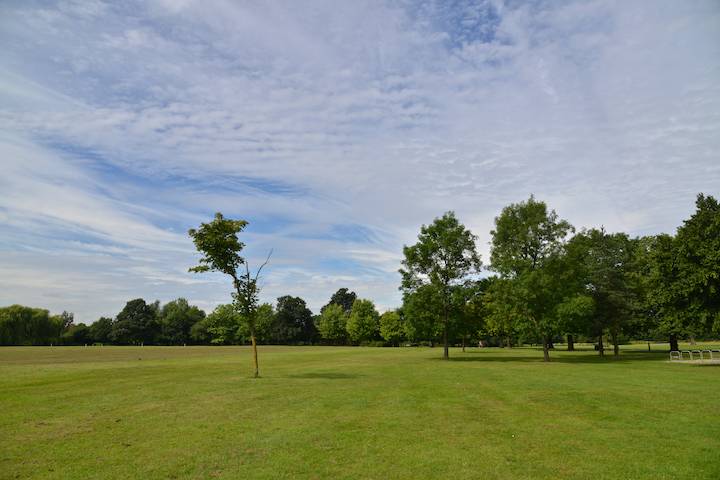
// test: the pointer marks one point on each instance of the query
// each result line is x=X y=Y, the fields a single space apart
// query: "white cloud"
x=125 y=124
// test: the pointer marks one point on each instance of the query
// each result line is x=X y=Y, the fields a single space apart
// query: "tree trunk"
x=692 y=340
x=550 y=344
x=648 y=346
x=463 y=343
x=601 y=347
x=546 y=350
x=616 y=347
x=571 y=343
x=509 y=344
x=251 y=321
x=674 y=343
x=255 y=360
x=446 y=349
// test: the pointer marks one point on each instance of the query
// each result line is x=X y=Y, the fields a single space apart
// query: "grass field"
x=327 y=412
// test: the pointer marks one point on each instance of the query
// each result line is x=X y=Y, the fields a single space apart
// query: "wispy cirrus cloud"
x=336 y=130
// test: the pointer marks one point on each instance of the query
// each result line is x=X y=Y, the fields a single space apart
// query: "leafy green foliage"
x=331 y=324
x=469 y=310
x=576 y=314
x=363 y=324
x=342 y=297
x=76 y=335
x=264 y=322
x=220 y=247
x=526 y=237
x=443 y=258
x=137 y=323
x=423 y=313
x=100 y=330
x=603 y=265
x=527 y=245
x=444 y=255
x=176 y=319
x=293 y=321
x=698 y=245
x=222 y=325
x=20 y=325
x=683 y=273
x=503 y=312
x=391 y=327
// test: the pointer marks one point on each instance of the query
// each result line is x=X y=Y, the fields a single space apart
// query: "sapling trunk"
x=255 y=360
x=570 y=343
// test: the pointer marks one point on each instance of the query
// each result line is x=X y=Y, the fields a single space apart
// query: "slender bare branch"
x=257 y=275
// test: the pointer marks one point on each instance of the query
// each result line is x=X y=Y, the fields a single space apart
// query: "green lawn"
x=326 y=412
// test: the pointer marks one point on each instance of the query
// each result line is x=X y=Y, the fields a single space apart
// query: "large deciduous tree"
x=101 y=330
x=682 y=277
x=442 y=259
x=221 y=327
x=391 y=327
x=603 y=263
x=331 y=323
x=527 y=243
x=364 y=322
x=220 y=247
x=176 y=320
x=698 y=252
x=342 y=297
x=20 y=325
x=293 y=321
x=137 y=323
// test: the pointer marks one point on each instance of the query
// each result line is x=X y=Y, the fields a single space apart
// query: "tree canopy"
x=332 y=323
x=527 y=244
x=343 y=297
x=444 y=257
x=364 y=322
x=220 y=247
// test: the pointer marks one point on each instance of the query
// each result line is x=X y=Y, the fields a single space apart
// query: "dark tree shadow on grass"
x=589 y=357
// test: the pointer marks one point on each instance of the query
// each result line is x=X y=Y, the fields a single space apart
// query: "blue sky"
x=336 y=129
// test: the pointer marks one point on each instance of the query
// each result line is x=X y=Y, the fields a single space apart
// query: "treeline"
x=552 y=283
x=21 y=325
x=344 y=320
x=548 y=284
